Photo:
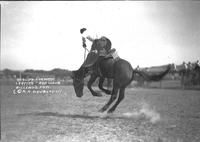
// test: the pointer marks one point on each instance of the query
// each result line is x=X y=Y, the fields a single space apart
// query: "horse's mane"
x=94 y=44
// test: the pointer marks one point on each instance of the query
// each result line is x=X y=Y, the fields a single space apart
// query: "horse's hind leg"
x=112 y=98
x=120 y=98
x=101 y=80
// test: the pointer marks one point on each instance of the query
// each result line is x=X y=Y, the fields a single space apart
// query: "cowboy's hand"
x=83 y=39
x=84 y=45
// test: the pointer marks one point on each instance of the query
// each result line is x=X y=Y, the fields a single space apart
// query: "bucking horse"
x=117 y=69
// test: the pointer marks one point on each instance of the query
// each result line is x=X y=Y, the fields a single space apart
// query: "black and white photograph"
x=100 y=71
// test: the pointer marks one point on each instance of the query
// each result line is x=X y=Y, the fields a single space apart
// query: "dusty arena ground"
x=145 y=115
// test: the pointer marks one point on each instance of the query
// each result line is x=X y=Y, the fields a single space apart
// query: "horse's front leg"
x=101 y=80
x=93 y=77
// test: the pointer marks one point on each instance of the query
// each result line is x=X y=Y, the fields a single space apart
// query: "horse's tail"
x=155 y=77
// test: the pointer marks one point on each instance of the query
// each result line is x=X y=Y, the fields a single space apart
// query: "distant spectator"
x=189 y=65
x=198 y=62
x=184 y=65
x=138 y=67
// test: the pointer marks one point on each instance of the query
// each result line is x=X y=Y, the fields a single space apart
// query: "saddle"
x=93 y=56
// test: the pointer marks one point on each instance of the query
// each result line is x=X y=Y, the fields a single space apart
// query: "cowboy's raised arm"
x=90 y=38
x=85 y=34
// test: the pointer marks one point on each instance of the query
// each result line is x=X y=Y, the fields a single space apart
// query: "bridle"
x=77 y=79
x=77 y=84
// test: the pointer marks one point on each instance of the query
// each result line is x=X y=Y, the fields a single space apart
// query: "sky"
x=45 y=34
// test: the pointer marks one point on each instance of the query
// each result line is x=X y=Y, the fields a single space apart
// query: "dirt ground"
x=145 y=115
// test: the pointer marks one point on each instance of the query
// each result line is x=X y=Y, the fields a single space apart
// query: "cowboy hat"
x=82 y=30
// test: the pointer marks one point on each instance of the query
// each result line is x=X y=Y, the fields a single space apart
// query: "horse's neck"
x=81 y=72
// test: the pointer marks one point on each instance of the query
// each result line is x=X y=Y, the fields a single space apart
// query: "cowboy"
x=101 y=48
x=104 y=50
x=104 y=47
x=104 y=44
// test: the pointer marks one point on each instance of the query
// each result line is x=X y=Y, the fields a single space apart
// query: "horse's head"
x=78 y=82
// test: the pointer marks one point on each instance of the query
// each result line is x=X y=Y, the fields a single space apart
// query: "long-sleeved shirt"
x=87 y=38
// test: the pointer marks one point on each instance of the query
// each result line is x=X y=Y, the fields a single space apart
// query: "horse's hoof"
x=110 y=111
